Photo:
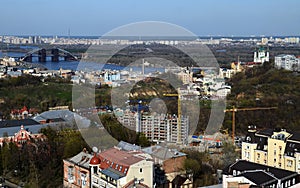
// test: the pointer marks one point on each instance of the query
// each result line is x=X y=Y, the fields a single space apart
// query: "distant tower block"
x=55 y=55
x=261 y=55
x=42 y=55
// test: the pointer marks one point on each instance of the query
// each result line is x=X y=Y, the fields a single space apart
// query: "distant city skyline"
x=203 y=17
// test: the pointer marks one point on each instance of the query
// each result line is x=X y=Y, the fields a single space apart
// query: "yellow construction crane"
x=178 y=114
x=234 y=110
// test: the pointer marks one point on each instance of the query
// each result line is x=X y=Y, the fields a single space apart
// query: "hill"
x=265 y=86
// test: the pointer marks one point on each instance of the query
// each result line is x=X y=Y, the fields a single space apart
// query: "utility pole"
x=234 y=110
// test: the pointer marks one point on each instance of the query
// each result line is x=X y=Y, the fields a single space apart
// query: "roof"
x=291 y=148
x=265 y=132
x=18 y=123
x=66 y=115
x=179 y=180
x=244 y=166
x=163 y=153
x=119 y=157
x=259 y=177
x=295 y=137
x=82 y=159
x=128 y=147
x=114 y=174
x=95 y=160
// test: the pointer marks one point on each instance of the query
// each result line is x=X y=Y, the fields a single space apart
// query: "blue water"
x=86 y=66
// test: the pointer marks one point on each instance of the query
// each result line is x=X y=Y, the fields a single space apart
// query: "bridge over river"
x=54 y=54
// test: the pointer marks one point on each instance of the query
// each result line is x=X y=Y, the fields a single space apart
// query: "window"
x=125 y=170
x=95 y=168
x=258 y=156
x=289 y=163
x=95 y=180
x=141 y=170
x=116 y=166
x=120 y=169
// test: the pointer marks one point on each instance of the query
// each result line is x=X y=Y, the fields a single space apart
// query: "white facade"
x=287 y=62
x=261 y=56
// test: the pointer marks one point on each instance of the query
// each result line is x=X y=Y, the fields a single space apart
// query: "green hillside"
x=265 y=86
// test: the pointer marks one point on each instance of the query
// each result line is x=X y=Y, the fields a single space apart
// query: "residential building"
x=245 y=174
x=228 y=73
x=287 y=62
x=157 y=127
x=185 y=76
x=169 y=167
x=77 y=170
x=276 y=148
x=112 y=168
x=120 y=168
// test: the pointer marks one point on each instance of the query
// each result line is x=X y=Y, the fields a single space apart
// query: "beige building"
x=276 y=148
x=113 y=168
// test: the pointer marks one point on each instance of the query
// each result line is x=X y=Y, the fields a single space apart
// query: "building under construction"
x=158 y=127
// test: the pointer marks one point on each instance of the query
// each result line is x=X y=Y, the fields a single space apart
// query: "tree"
x=229 y=154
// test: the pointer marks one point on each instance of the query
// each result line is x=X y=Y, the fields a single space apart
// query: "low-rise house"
x=169 y=166
x=117 y=168
x=77 y=170
x=112 y=168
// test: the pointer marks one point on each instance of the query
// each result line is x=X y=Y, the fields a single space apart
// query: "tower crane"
x=178 y=114
x=234 y=110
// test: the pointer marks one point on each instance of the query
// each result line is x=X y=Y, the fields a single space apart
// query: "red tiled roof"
x=115 y=158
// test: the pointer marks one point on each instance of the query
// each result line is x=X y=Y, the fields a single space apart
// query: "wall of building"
x=276 y=150
x=261 y=157
x=77 y=181
x=248 y=151
x=141 y=170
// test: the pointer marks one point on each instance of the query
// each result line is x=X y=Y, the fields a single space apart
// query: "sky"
x=202 y=17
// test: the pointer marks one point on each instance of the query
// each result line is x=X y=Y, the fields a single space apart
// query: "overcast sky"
x=202 y=17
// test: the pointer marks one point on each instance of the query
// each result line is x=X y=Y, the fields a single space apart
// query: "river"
x=73 y=65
